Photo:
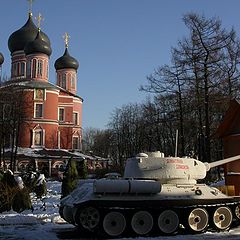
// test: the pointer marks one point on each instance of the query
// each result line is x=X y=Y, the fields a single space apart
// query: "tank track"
x=154 y=218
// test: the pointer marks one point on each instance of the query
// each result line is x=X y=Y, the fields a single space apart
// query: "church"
x=52 y=112
x=54 y=115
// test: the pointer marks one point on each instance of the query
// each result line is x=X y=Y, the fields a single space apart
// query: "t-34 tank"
x=157 y=195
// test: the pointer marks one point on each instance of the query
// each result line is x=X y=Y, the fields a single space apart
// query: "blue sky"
x=117 y=42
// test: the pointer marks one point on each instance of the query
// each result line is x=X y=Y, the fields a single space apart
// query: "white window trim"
x=34 y=112
x=78 y=145
x=63 y=114
x=77 y=117
x=38 y=129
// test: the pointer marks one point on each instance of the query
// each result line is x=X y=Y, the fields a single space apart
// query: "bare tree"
x=126 y=126
x=12 y=109
x=202 y=66
x=170 y=81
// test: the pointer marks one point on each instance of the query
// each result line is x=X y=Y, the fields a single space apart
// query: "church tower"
x=16 y=44
x=66 y=67
x=37 y=56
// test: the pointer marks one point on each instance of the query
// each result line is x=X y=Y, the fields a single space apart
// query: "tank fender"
x=126 y=186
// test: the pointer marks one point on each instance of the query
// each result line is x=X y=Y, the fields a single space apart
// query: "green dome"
x=66 y=61
x=24 y=35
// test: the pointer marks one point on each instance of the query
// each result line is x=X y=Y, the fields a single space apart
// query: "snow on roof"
x=79 y=154
x=53 y=153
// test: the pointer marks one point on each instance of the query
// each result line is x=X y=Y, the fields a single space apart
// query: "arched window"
x=34 y=68
x=38 y=137
x=40 y=68
x=29 y=69
x=72 y=81
x=18 y=69
x=59 y=80
x=64 y=81
x=15 y=69
x=22 y=71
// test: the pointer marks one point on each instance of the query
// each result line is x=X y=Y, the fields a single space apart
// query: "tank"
x=156 y=196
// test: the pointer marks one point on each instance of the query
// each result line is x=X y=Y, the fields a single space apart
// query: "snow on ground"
x=45 y=223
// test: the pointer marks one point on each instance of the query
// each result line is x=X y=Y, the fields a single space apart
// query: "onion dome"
x=38 y=45
x=1 y=59
x=66 y=61
x=25 y=34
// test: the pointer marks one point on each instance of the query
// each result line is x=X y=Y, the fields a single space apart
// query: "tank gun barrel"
x=221 y=162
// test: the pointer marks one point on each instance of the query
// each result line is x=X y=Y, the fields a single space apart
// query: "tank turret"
x=169 y=169
x=157 y=195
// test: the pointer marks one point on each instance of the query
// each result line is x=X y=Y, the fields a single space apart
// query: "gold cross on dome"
x=39 y=18
x=66 y=39
x=30 y=5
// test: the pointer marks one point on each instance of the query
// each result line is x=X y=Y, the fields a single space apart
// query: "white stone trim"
x=59 y=139
x=65 y=104
x=45 y=121
x=63 y=96
x=77 y=100
x=53 y=92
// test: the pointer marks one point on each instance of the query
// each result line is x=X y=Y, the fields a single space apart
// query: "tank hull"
x=175 y=208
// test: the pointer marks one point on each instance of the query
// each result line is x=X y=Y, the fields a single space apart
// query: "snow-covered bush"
x=35 y=182
x=40 y=186
x=13 y=194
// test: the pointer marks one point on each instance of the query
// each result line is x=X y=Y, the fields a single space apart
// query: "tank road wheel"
x=198 y=219
x=89 y=218
x=114 y=223
x=142 y=222
x=222 y=218
x=237 y=212
x=168 y=221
